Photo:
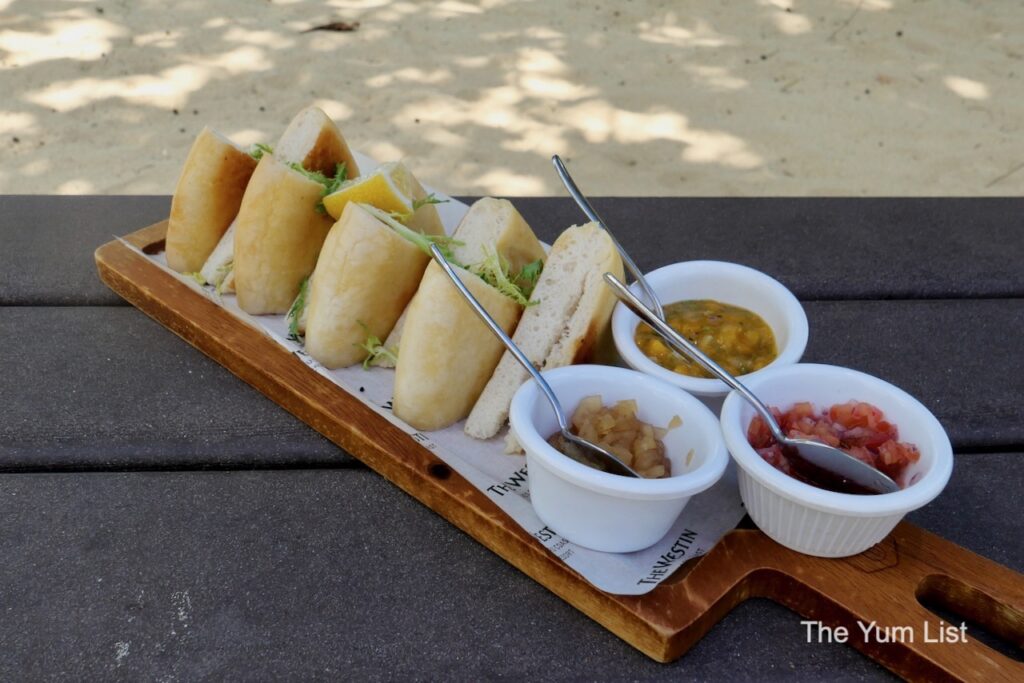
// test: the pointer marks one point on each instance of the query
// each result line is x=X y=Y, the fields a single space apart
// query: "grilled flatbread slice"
x=278 y=236
x=572 y=313
x=447 y=352
x=206 y=199
x=490 y=226
x=311 y=140
x=366 y=274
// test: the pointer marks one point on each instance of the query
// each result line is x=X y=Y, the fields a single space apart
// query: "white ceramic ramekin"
x=608 y=512
x=812 y=520
x=729 y=283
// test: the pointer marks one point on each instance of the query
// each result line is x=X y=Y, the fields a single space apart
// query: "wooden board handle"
x=883 y=586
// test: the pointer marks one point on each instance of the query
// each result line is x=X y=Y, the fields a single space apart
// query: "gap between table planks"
x=881 y=585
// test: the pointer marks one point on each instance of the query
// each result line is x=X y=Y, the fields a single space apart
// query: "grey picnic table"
x=161 y=520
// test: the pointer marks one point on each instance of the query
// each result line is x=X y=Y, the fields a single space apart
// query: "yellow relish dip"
x=737 y=339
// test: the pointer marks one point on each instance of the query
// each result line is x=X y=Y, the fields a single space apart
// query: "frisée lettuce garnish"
x=295 y=313
x=429 y=199
x=443 y=242
x=529 y=275
x=417 y=204
x=495 y=270
x=330 y=185
x=220 y=276
x=259 y=149
x=375 y=349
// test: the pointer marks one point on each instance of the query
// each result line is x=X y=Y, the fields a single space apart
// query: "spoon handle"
x=563 y=424
x=683 y=345
x=585 y=205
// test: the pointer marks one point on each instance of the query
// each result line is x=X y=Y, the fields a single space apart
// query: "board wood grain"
x=884 y=585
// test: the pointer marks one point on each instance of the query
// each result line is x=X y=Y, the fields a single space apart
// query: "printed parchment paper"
x=504 y=479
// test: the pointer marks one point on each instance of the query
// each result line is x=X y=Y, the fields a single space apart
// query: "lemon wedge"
x=388 y=188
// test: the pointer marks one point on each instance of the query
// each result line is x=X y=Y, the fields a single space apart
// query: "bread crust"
x=365 y=276
x=447 y=353
x=513 y=240
x=206 y=199
x=328 y=148
x=565 y=327
x=591 y=319
x=425 y=219
x=278 y=236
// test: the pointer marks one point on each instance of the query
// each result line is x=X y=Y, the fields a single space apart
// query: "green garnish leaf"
x=494 y=270
x=417 y=204
x=443 y=242
x=259 y=149
x=429 y=199
x=315 y=176
x=220 y=276
x=340 y=176
x=198 y=277
x=400 y=216
x=528 y=276
x=294 y=314
x=330 y=185
x=375 y=349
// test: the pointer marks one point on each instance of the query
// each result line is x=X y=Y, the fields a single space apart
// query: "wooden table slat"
x=133 y=395
x=310 y=574
x=887 y=248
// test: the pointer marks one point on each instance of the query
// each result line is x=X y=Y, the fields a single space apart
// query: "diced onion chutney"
x=617 y=429
x=737 y=339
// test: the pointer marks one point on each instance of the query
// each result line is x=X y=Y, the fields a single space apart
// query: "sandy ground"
x=779 y=97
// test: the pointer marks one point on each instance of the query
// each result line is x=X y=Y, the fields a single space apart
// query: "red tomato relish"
x=858 y=428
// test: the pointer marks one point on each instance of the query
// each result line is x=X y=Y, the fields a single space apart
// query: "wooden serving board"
x=883 y=585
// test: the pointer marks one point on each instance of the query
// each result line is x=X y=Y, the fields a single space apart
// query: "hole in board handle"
x=439 y=470
x=154 y=248
x=990 y=622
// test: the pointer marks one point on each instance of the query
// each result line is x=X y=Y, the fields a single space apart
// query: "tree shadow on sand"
x=641 y=99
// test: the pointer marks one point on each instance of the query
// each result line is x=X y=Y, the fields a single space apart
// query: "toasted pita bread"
x=447 y=352
x=311 y=140
x=573 y=310
x=206 y=199
x=365 y=276
x=491 y=225
x=278 y=236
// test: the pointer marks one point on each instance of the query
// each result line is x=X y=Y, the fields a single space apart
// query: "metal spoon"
x=584 y=204
x=585 y=452
x=817 y=461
